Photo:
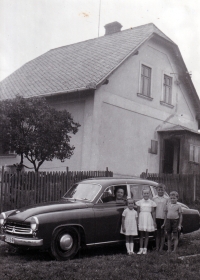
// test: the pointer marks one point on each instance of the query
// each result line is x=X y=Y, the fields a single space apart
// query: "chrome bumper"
x=29 y=242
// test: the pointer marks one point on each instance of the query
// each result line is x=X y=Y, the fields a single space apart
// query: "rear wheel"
x=65 y=243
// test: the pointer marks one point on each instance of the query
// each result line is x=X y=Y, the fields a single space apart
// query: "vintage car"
x=83 y=216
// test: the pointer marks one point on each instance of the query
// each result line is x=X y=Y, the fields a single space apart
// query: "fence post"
x=68 y=179
x=195 y=184
x=2 y=190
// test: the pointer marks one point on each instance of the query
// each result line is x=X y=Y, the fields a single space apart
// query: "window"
x=167 y=90
x=145 y=87
x=136 y=191
x=194 y=154
x=109 y=194
x=2 y=153
x=83 y=191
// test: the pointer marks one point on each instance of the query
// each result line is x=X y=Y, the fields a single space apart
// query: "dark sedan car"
x=84 y=216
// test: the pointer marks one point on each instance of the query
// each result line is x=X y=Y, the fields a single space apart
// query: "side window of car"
x=136 y=191
x=109 y=195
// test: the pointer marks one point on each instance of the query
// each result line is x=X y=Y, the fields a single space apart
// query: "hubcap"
x=66 y=242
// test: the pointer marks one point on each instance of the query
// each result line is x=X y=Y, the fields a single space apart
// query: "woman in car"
x=119 y=196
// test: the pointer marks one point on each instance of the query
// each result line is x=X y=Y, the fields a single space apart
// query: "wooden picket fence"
x=187 y=185
x=20 y=189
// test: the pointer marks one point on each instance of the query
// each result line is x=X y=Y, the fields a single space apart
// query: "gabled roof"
x=76 y=67
x=177 y=128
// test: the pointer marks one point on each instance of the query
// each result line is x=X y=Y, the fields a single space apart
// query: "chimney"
x=113 y=27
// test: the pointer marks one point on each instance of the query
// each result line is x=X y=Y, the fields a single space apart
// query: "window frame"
x=140 y=93
x=194 y=153
x=7 y=154
x=114 y=187
x=143 y=78
x=167 y=100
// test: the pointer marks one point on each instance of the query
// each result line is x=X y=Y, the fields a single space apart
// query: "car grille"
x=21 y=229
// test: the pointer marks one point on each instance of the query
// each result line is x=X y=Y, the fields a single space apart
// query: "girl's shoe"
x=140 y=251
x=144 y=251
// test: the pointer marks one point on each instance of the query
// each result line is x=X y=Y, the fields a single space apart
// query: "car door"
x=108 y=216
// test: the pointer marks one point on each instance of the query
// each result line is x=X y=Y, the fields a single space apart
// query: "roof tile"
x=75 y=66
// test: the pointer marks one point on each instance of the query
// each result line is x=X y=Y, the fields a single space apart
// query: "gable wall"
x=125 y=82
x=125 y=124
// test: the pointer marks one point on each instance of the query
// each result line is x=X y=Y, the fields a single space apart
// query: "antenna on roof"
x=99 y=16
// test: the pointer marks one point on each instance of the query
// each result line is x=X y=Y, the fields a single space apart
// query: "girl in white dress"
x=129 y=225
x=147 y=221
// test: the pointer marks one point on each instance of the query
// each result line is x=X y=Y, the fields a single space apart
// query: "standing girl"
x=147 y=223
x=129 y=225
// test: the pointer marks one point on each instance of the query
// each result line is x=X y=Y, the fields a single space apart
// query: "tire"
x=65 y=243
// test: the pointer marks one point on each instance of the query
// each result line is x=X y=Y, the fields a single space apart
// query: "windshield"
x=83 y=192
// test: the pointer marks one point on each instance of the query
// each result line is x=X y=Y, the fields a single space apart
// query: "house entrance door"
x=171 y=156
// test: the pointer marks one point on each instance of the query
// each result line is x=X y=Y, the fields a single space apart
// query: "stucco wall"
x=81 y=109
x=125 y=83
x=125 y=123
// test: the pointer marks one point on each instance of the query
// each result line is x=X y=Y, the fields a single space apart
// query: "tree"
x=35 y=130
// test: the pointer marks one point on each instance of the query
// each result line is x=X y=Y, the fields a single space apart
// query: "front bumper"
x=21 y=241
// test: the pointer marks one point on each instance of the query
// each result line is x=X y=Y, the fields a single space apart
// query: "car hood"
x=24 y=213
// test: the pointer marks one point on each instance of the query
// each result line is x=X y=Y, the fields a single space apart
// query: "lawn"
x=109 y=262
x=104 y=263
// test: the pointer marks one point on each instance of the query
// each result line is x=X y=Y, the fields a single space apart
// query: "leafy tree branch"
x=35 y=130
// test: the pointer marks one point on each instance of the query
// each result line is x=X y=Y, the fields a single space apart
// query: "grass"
x=109 y=262
x=104 y=263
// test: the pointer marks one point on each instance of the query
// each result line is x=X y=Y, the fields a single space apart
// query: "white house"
x=130 y=91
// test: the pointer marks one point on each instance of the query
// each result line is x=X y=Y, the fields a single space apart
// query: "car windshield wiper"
x=70 y=198
x=84 y=199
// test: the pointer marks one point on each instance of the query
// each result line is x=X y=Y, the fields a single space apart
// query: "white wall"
x=125 y=124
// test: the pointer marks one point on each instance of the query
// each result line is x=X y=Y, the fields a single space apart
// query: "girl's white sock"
x=127 y=247
x=131 y=247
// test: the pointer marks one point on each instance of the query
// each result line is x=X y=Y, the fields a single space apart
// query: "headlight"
x=34 y=223
x=2 y=219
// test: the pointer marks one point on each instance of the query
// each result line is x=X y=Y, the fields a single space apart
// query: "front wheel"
x=65 y=243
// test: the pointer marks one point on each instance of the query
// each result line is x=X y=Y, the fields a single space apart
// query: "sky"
x=29 y=28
